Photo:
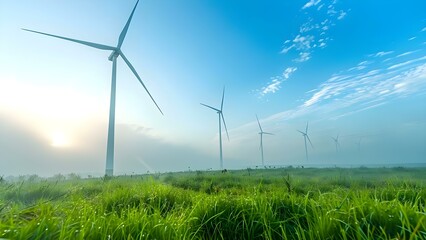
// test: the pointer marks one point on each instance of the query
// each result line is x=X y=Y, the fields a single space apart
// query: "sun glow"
x=57 y=114
x=59 y=139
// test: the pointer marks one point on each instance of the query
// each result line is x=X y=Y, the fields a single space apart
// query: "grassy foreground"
x=248 y=204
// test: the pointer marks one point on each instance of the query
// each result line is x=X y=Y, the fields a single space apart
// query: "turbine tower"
x=220 y=114
x=305 y=136
x=336 y=141
x=115 y=53
x=261 y=140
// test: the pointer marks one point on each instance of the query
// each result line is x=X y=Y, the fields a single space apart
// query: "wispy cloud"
x=303 y=57
x=368 y=88
x=272 y=86
x=369 y=84
x=341 y=15
x=405 y=54
x=288 y=71
x=424 y=29
x=311 y=3
x=312 y=34
x=380 y=54
x=275 y=84
x=398 y=65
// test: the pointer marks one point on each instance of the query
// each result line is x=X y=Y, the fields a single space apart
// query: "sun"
x=59 y=139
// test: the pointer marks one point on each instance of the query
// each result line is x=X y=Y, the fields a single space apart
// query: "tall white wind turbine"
x=306 y=136
x=115 y=53
x=261 y=139
x=220 y=114
x=336 y=141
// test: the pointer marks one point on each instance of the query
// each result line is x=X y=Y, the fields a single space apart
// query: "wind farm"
x=357 y=96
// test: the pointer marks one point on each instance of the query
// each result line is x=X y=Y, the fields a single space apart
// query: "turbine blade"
x=126 y=27
x=90 y=44
x=301 y=132
x=268 y=133
x=306 y=128
x=224 y=124
x=259 y=123
x=309 y=141
x=210 y=107
x=223 y=96
x=140 y=80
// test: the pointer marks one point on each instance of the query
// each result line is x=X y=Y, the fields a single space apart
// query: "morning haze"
x=336 y=65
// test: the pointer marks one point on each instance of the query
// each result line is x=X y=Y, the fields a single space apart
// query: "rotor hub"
x=114 y=55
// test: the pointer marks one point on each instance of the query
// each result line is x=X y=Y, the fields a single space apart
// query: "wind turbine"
x=336 y=141
x=359 y=144
x=261 y=139
x=115 y=53
x=220 y=114
x=305 y=136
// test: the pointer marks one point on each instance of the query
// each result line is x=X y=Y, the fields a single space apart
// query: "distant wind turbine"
x=261 y=139
x=305 y=136
x=359 y=144
x=116 y=52
x=336 y=141
x=220 y=114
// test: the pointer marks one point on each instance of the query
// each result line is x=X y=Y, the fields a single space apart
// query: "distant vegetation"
x=287 y=203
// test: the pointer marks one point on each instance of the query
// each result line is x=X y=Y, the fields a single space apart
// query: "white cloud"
x=275 y=84
x=405 y=54
x=303 y=57
x=272 y=87
x=317 y=24
x=312 y=34
x=342 y=15
x=362 y=91
x=316 y=97
x=311 y=3
x=331 y=11
x=380 y=54
x=303 y=42
x=424 y=29
x=360 y=67
x=398 y=65
x=285 y=50
x=412 y=38
x=288 y=71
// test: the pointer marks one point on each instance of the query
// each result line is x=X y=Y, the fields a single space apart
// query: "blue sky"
x=355 y=69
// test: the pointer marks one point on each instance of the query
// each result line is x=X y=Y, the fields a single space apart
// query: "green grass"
x=385 y=203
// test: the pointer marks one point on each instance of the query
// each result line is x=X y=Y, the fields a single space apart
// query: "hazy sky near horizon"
x=356 y=69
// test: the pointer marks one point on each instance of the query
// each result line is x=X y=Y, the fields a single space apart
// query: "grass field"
x=287 y=203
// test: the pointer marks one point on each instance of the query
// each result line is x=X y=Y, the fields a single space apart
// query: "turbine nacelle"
x=114 y=54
